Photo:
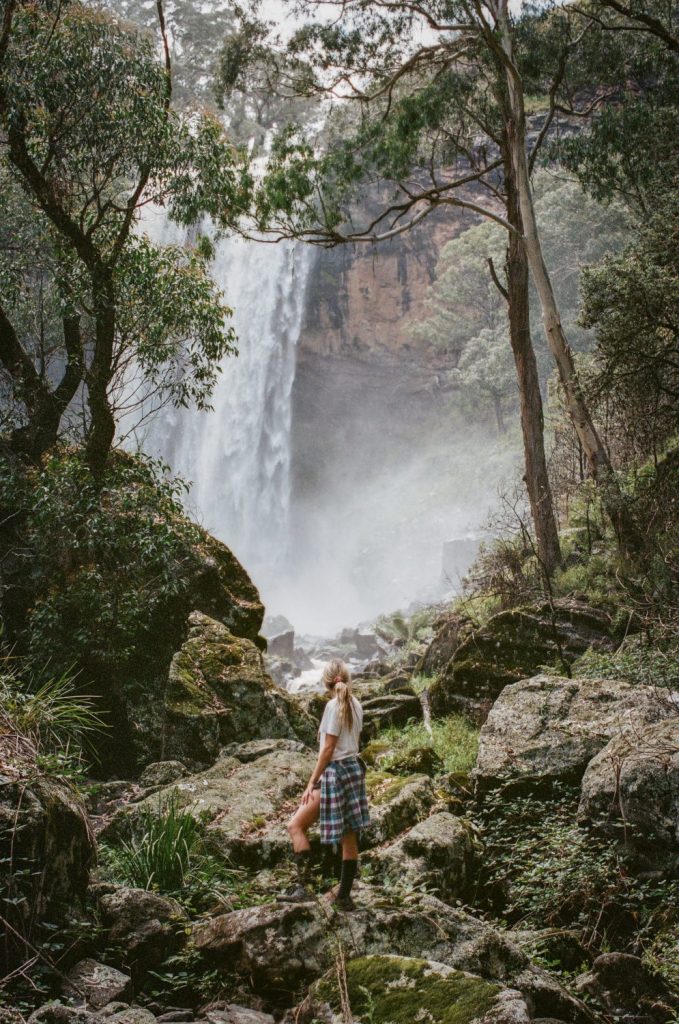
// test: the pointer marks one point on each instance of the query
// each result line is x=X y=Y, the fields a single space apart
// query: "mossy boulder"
x=109 y=571
x=388 y=709
x=218 y=692
x=396 y=802
x=281 y=947
x=449 y=631
x=145 y=924
x=417 y=761
x=402 y=990
x=514 y=645
x=440 y=853
x=548 y=728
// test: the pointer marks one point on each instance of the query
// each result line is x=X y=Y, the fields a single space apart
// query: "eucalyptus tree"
x=439 y=92
x=89 y=138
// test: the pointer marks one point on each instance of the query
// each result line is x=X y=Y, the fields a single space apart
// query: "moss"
x=374 y=751
x=400 y=990
x=383 y=787
x=184 y=694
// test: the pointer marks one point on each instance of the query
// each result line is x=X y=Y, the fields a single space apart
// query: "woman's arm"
x=324 y=759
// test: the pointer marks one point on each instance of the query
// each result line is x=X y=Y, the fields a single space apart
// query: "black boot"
x=301 y=891
x=343 y=900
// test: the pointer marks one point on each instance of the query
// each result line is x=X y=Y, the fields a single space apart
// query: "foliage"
x=120 y=553
x=642 y=659
x=406 y=628
x=170 y=852
x=53 y=717
x=91 y=139
x=455 y=739
x=632 y=299
x=542 y=869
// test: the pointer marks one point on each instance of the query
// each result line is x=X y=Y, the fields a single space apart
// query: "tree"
x=90 y=138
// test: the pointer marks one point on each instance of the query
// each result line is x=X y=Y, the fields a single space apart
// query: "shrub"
x=640 y=659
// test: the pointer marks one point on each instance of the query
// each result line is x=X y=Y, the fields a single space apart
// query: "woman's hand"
x=308 y=794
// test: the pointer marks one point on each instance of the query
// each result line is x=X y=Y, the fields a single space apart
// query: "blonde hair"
x=336 y=679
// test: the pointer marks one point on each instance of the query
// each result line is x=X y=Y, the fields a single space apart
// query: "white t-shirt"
x=347 y=742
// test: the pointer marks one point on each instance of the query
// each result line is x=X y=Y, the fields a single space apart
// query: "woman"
x=336 y=790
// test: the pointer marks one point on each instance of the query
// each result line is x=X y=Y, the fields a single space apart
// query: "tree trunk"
x=499 y=418
x=532 y=421
x=102 y=427
x=596 y=455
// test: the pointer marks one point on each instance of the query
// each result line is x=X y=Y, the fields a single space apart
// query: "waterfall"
x=238 y=455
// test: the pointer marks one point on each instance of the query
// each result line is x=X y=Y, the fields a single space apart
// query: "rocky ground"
x=433 y=938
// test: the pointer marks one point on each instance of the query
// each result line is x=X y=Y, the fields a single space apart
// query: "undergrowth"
x=171 y=852
x=541 y=869
x=455 y=739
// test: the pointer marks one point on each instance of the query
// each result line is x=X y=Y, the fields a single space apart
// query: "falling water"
x=238 y=455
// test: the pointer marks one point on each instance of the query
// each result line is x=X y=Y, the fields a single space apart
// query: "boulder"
x=253 y=749
x=233 y=1014
x=218 y=693
x=149 y=926
x=389 y=709
x=282 y=645
x=396 y=803
x=162 y=773
x=621 y=985
x=635 y=779
x=417 y=761
x=367 y=645
x=449 y=630
x=98 y=984
x=247 y=805
x=282 y=946
x=397 y=988
x=132 y=1015
x=547 y=729
x=440 y=853
x=46 y=845
x=60 y=1013
x=514 y=645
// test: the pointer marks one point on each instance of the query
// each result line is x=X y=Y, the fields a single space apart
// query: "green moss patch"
x=400 y=990
x=383 y=787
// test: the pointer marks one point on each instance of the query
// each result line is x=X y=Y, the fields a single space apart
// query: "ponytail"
x=337 y=679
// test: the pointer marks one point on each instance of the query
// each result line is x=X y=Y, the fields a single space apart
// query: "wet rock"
x=621 y=985
x=97 y=983
x=635 y=780
x=250 y=751
x=391 y=988
x=162 y=773
x=396 y=803
x=149 y=926
x=367 y=645
x=514 y=645
x=440 y=853
x=548 y=728
x=218 y=693
x=283 y=946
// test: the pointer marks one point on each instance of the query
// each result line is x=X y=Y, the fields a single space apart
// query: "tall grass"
x=168 y=843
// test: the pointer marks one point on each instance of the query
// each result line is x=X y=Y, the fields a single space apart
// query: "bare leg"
x=302 y=820
x=350 y=846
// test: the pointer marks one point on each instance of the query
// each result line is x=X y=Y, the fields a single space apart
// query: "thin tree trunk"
x=499 y=418
x=532 y=421
x=103 y=427
x=597 y=458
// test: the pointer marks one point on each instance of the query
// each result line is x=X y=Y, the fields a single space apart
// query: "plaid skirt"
x=344 y=802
